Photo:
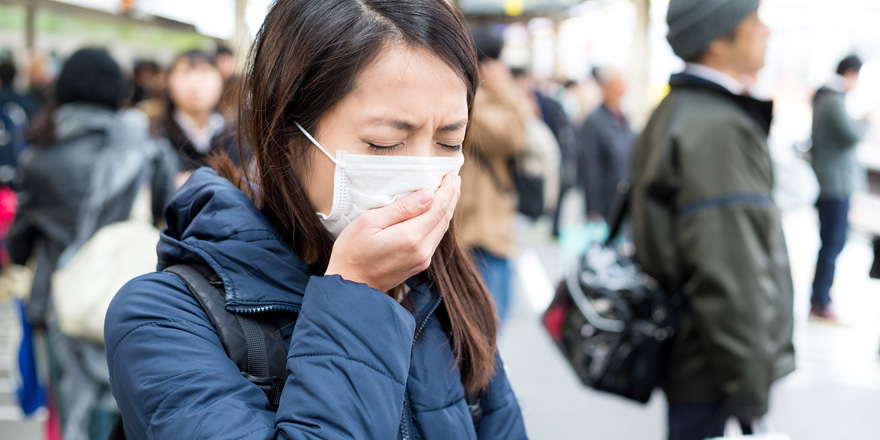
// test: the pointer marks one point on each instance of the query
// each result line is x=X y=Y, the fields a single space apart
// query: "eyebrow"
x=399 y=124
x=460 y=125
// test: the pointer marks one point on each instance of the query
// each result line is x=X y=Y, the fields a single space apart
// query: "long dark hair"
x=305 y=60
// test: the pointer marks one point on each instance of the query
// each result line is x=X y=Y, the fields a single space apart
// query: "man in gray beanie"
x=705 y=224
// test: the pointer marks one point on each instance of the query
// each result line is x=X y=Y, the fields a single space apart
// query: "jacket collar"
x=210 y=221
x=760 y=111
x=78 y=119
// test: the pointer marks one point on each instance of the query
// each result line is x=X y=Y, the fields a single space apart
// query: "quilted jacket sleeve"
x=172 y=379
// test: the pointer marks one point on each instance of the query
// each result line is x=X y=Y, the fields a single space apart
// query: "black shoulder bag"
x=612 y=321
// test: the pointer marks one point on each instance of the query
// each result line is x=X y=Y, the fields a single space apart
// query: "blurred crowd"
x=92 y=147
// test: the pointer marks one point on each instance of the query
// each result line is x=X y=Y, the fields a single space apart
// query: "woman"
x=191 y=121
x=87 y=164
x=351 y=105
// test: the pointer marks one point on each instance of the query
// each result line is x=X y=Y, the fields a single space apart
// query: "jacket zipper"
x=404 y=422
x=404 y=425
x=265 y=309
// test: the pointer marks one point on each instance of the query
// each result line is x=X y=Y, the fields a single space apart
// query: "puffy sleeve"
x=347 y=366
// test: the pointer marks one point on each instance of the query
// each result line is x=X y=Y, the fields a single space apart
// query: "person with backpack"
x=323 y=293
x=706 y=227
x=88 y=159
x=498 y=135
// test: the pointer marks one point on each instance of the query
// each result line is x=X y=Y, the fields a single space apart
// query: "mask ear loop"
x=314 y=141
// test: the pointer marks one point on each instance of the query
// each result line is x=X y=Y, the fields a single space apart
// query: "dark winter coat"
x=705 y=225
x=189 y=158
x=606 y=143
x=54 y=182
x=835 y=137
x=360 y=366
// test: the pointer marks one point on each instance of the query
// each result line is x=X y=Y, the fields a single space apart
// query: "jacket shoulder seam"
x=156 y=324
x=176 y=389
x=440 y=408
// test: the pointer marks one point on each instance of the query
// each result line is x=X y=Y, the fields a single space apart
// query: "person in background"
x=25 y=106
x=225 y=61
x=81 y=128
x=706 y=227
x=557 y=119
x=40 y=80
x=605 y=151
x=498 y=133
x=542 y=152
x=833 y=155
x=191 y=121
x=146 y=75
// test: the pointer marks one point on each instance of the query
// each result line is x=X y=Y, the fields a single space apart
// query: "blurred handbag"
x=83 y=288
x=612 y=321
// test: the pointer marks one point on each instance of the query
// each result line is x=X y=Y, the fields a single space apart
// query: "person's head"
x=849 y=68
x=90 y=75
x=38 y=70
x=612 y=83
x=7 y=73
x=493 y=72
x=522 y=78
x=370 y=77
x=725 y=34
x=194 y=83
x=145 y=71
x=224 y=59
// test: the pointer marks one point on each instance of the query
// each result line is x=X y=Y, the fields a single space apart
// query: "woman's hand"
x=383 y=247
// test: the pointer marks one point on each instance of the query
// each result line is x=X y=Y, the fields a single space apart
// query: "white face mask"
x=363 y=182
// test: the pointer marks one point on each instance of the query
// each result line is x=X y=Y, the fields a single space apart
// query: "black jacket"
x=189 y=158
x=606 y=143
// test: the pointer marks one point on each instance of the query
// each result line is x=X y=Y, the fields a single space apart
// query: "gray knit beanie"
x=694 y=24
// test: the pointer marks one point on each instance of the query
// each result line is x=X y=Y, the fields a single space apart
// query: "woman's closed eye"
x=383 y=149
x=389 y=149
x=453 y=148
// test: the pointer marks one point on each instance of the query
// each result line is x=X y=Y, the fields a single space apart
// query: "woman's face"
x=407 y=103
x=195 y=88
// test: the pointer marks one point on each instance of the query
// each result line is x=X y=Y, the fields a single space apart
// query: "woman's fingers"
x=383 y=247
x=445 y=208
x=440 y=212
x=407 y=208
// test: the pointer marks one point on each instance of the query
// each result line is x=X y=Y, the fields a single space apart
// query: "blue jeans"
x=833 y=225
x=698 y=421
x=496 y=273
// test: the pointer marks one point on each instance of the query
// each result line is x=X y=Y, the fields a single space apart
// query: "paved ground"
x=834 y=395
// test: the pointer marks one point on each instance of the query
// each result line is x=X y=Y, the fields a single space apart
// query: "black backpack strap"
x=254 y=345
x=475 y=408
x=621 y=212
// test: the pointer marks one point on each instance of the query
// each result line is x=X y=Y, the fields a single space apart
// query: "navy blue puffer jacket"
x=357 y=366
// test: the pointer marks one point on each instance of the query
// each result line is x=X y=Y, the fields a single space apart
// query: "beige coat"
x=487 y=207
